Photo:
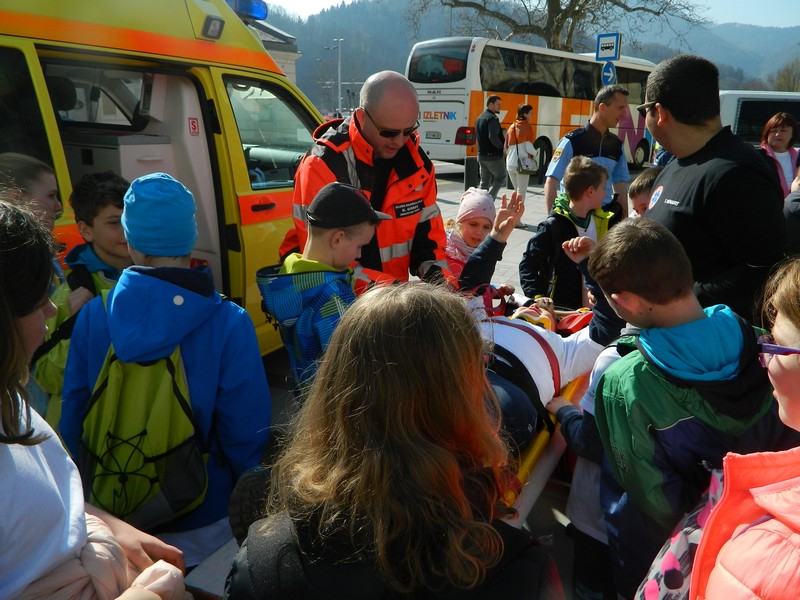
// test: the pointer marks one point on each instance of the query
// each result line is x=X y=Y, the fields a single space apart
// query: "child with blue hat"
x=158 y=304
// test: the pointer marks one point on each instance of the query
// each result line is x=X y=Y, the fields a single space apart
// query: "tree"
x=558 y=22
x=787 y=78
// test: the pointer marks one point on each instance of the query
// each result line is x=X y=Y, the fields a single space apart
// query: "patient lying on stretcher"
x=530 y=362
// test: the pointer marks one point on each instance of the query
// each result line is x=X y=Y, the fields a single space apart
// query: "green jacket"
x=662 y=434
x=49 y=369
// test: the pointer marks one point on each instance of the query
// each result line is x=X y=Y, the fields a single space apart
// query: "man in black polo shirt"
x=718 y=196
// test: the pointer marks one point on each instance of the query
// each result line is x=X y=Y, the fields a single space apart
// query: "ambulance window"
x=97 y=95
x=21 y=124
x=274 y=130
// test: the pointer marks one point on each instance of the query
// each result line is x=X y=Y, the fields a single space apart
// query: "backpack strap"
x=79 y=276
x=273 y=560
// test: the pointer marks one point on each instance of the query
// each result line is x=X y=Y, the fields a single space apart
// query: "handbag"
x=527 y=165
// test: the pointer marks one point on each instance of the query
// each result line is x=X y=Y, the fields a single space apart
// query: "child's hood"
x=84 y=255
x=705 y=350
x=150 y=311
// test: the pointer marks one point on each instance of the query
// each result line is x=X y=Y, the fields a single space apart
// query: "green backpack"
x=140 y=457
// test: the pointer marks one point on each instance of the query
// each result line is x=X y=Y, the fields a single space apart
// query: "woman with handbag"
x=521 y=157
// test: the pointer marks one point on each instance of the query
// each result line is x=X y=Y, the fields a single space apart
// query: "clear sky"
x=749 y=12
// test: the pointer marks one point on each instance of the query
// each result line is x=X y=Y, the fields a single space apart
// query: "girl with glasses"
x=751 y=541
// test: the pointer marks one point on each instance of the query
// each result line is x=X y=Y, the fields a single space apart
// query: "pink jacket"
x=751 y=545
x=793 y=153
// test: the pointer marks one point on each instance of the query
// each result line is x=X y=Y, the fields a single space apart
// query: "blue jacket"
x=307 y=299
x=604 y=148
x=148 y=313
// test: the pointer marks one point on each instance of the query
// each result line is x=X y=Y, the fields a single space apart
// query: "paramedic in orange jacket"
x=377 y=150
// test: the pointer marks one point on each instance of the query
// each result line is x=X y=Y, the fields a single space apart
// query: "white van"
x=747 y=111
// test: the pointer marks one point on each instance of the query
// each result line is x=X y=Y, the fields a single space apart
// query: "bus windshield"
x=440 y=62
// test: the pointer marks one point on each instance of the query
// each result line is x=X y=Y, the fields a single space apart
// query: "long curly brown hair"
x=397 y=443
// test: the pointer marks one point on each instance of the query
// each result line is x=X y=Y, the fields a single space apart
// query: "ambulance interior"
x=136 y=121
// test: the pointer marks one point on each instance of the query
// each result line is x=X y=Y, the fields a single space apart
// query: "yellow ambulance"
x=180 y=86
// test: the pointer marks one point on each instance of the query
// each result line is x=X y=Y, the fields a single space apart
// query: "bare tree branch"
x=557 y=22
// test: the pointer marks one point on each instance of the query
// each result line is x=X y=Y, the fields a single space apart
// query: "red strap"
x=489 y=295
x=546 y=348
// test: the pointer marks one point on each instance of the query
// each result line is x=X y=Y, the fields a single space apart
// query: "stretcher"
x=535 y=464
x=537 y=461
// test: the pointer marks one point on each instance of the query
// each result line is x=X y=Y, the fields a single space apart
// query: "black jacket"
x=490 y=135
x=273 y=564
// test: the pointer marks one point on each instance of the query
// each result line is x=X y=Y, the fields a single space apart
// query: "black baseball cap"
x=341 y=205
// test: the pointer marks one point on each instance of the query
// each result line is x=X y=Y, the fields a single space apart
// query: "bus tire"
x=641 y=154
x=545 y=153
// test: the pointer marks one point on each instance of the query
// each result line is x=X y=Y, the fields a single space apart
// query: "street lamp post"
x=338 y=42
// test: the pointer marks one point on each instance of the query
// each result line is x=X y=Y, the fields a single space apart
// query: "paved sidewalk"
x=451 y=186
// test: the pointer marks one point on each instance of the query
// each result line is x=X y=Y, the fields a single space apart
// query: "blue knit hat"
x=158 y=217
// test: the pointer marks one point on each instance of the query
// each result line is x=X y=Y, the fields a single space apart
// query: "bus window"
x=515 y=71
x=585 y=78
x=635 y=82
x=439 y=63
x=274 y=137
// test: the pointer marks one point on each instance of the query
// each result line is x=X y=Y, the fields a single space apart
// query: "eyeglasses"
x=769 y=349
x=391 y=133
x=643 y=108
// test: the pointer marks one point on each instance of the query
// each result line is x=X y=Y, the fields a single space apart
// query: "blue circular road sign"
x=609 y=73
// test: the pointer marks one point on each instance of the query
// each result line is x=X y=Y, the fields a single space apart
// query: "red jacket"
x=413 y=241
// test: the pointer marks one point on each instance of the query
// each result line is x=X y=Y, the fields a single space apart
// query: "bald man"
x=377 y=150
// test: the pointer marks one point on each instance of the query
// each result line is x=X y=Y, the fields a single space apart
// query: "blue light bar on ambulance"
x=252 y=10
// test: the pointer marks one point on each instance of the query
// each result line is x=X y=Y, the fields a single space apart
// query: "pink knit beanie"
x=476 y=203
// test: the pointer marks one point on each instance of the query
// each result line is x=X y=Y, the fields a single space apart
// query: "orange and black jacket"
x=413 y=241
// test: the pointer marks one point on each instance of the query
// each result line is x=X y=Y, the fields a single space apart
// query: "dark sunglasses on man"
x=643 y=108
x=391 y=133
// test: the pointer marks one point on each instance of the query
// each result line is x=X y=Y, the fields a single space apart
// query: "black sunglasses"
x=391 y=133
x=643 y=108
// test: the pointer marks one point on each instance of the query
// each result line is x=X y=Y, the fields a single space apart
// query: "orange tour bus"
x=453 y=77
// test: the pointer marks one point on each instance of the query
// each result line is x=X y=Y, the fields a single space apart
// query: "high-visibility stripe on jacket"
x=413 y=241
